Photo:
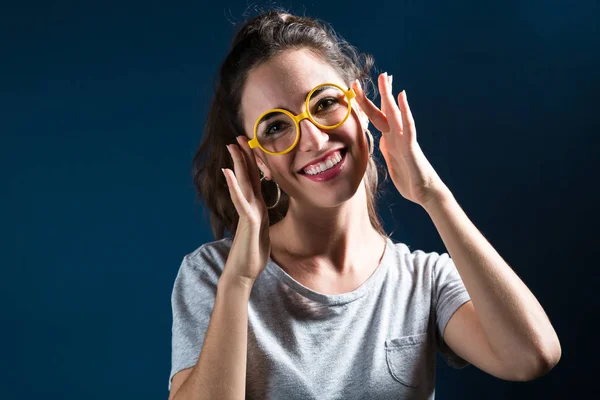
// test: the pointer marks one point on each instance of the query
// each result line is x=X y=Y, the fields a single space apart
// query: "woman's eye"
x=273 y=128
x=325 y=103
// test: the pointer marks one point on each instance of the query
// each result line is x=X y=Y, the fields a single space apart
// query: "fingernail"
x=224 y=175
x=228 y=149
x=391 y=79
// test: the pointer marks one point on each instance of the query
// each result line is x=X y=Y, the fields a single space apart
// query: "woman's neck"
x=332 y=241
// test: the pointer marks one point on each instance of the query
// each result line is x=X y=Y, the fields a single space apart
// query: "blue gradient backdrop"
x=101 y=110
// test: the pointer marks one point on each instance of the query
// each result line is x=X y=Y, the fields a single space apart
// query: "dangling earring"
x=371 y=141
x=262 y=177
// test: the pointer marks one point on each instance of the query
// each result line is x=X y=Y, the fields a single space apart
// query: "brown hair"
x=259 y=39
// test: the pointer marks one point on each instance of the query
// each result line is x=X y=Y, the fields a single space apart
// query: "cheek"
x=280 y=166
x=355 y=132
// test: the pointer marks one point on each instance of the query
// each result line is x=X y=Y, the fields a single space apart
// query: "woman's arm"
x=220 y=372
x=504 y=331
x=504 y=328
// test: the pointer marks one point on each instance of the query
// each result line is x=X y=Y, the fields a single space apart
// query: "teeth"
x=323 y=166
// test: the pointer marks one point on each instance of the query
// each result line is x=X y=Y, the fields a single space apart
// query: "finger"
x=407 y=117
x=241 y=171
x=383 y=147
x=374 y=114
x=384 y=107
x=237 y=197
x=390 y=79
x=392 y=112
x=253 y=171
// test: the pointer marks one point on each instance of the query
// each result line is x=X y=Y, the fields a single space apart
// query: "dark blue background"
x=101 y=110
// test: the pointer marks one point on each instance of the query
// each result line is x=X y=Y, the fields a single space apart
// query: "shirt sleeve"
x=192 y=301
x=449 y=293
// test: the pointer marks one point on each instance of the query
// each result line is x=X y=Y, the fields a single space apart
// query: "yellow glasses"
x=277 y=131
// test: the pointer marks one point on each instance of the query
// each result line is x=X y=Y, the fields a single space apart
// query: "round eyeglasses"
x=277 y=131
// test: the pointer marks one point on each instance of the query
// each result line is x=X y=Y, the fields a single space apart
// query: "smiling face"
x=284 y=82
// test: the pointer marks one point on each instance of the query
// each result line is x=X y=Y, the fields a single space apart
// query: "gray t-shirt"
x=375 y=342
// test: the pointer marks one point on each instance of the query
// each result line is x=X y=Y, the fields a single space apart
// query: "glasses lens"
x=328 y=106
x=276 y=132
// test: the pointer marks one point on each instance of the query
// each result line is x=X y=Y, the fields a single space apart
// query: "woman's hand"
x=412 y=174
x=251 y=246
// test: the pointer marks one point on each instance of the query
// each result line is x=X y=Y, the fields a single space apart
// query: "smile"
x=328 y=169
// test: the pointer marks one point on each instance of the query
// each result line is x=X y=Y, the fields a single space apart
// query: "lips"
x=342 y=151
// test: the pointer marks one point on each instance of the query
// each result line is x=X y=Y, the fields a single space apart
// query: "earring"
x=262 y=177
x=371 y=141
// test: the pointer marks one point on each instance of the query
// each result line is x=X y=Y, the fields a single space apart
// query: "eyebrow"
x=316 y=92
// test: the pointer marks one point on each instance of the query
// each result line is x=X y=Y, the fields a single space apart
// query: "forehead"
x=283 y=82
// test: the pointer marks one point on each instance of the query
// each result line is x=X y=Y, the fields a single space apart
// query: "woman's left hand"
x=411 y=172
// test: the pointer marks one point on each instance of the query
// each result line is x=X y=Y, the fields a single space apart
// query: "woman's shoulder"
x=210 y=257
x=211 y=249
x=414 y=258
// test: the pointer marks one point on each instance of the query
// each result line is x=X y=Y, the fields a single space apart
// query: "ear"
x=362 y=116
x=364 y=120
x=263 y=167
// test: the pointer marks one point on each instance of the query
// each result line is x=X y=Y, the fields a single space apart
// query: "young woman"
x=311 y=299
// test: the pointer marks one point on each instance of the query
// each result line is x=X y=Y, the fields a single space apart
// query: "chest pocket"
x=406 y=358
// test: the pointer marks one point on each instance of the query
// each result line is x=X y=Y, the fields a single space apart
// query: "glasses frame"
x=254 y=143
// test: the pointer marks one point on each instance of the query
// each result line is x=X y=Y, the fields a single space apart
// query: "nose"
x=311 y=136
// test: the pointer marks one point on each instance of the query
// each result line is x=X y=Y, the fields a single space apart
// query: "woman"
x=311 y=299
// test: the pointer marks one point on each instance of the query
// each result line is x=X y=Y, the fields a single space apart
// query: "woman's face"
x=283 y=82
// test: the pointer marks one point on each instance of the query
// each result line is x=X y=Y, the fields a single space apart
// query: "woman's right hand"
x=251 y=246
